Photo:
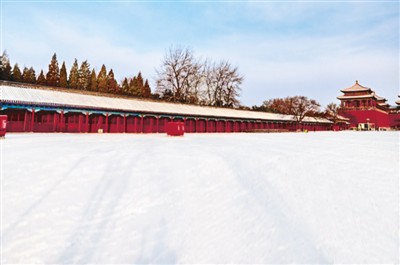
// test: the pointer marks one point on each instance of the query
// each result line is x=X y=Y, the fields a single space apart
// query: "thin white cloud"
x=314 y=59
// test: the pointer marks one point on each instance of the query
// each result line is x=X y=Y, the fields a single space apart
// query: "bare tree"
x=222 y=84
x=179 y=76
x=184 y=78
x=297 y=106
x=332 y=111
x=302 y=106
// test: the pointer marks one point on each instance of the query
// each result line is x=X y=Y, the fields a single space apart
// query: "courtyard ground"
x=324 y=197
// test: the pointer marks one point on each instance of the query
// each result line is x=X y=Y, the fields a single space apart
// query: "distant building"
x=368 y=111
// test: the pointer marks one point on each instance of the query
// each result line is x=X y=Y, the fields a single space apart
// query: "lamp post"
x=367 y=124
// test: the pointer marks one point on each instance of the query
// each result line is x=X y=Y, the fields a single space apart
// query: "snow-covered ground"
x=325 y=197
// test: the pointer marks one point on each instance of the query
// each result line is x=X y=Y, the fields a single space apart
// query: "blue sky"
x=312 y=48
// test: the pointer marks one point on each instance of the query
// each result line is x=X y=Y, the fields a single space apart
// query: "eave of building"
x=79 y=101
x=355 y=97
x=383 y=104
x=379 y=98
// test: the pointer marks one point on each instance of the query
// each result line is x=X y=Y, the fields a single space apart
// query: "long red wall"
x=22 y=120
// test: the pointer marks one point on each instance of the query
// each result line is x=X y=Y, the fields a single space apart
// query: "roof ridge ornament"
x=356 y=82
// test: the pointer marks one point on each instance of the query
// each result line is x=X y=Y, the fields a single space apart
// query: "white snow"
x=325 y=197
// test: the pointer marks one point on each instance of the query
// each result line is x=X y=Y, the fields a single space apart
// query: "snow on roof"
x=340 y=117
x=29 y=95
x=356 y=88
x=383 y=104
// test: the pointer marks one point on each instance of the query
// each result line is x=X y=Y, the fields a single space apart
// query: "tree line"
x=81 y=77
x=181 y=77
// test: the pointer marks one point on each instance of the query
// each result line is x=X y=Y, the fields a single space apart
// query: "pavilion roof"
x=56 y=98
x=356 y=88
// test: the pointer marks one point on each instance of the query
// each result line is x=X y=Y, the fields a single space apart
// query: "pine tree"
x=93 y=81
x=113 y=87
x=102 y=78
x=73 y=75
x=63 y=76
x=25 y=75
x=41 y=80
x=125 y=87
x=133 y=87
x=84 y=76
x=5 y=67
x=16 y=74
x=146 y=90
x=53 y=75
x=140 y=85
x=32 y=76
x=29 y=76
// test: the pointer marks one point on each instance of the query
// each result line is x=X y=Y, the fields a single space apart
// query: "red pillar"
x=106 y=129
x=54 y=122
x=141 y=123
x=32 y=119
x=100 y=122
x=207 y=127
x=124 y=129
x=25 y=119
x=135 y=124
x=87 y=122
x=79 y=123
x=61 y=121
x=197 y=125
x=158 y=124
x=151 y=125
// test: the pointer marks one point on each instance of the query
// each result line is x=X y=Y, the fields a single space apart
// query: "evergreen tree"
x=16 y=74
x=29 y=75
x=102 y=78
x=32 y=73
x=125 y=87
x=113 y=87
x=73 y=75
x=5 y=67
x=63 y=76
x=146 y=90
x=133 y=87
x=140 y=85
x=93 y=81
x=41 y=80
x=25 y=75
x=53 y=75
x=84 y=76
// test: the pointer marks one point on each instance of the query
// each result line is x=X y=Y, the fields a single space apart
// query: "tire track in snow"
x=290 y=228
x=85 y=239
